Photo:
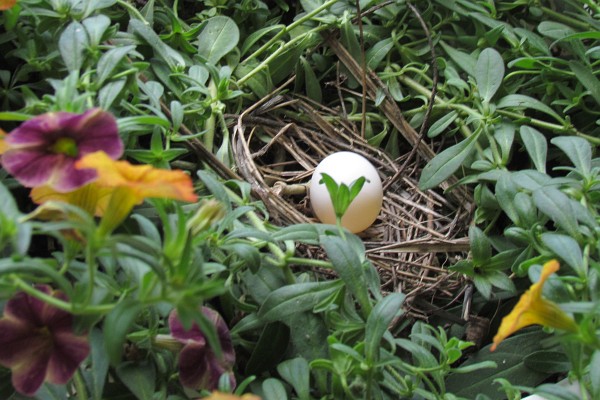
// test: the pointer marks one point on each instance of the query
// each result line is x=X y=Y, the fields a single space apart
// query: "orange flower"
x=142 y=181
x=6 y=4
x=131 y=184
x=533 y=309
x=91 y=197
x=3 y=145
x=228 y=396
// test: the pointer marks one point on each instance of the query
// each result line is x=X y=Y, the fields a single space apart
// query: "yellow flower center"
x=66 y=146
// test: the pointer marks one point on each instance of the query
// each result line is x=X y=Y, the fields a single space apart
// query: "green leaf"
x=216 y=188
x=536 y=146
x=296 y=298
x=109 y=93
x=378 y=321
x=509 y=358
x=578 y=150
x=489 y=72
x=556 y=205
x=255 y=36
x=100 y=363
x=71 y=44
x=481 y=248
x=269 y=349
x=219 y=36
x=549 y=362
x=441 y=124
x=465 y=61
x=521 y=101
x=118 y=322
x=95 y=27
x=167 y=54
x=140 y=378
x=347 y=264
x=273 y=389
x=587 y=79
x=313 y=86
x=443 y=165
x=350 y=41
x=109 y=61
x=566 y=248
x=594 y=366
x=554 y=30
x=296 y=372
x=506 y=190
x=504 y=135
x=378 y=52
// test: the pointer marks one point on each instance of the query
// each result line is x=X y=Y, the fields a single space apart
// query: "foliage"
x=514 y=117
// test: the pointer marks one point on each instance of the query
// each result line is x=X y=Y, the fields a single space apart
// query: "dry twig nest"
x=280 y=140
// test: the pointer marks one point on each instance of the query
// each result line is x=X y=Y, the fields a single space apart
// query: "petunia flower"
x=199 y=366
x=43 y=150
x=37 y=342
x=229 y=396
x=533 y=309
x=131 y=184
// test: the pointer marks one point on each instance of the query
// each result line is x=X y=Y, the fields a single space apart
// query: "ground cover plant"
x=139 y=261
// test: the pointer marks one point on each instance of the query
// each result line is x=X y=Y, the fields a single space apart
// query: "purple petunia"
x=199 y=366
x=37 y=342
x=43 y=150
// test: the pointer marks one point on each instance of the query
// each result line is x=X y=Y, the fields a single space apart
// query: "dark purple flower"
x=37 y=342
x=199 y=366
x=43 y=150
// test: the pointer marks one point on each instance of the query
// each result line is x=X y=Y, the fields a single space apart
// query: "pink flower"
x=43 y=150
x=199 y=366
x=37 y=342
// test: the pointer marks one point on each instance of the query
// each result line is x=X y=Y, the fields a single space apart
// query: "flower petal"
x=91 y=197
x=180 y=333
x=198 y=368
x=3 y=145
x=228 y=396
x=69 y=351
x=6 y=4
x=144 y=180
x=29 y=374
x=533 y=309
x=97 y=130
x=30 y=166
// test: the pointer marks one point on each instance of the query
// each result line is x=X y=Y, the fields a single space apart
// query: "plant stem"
x=275 y=53
x=286 y=29
x=60 y=304
x=132 y=10
x=563 y=18
x=79 y=383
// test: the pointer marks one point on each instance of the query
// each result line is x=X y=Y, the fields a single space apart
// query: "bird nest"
x=418 y=234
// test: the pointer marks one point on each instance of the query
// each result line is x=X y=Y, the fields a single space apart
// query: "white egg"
x=346 y=167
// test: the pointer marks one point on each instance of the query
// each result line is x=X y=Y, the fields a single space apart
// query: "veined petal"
x=196 y=367
x=180 y=333
x=69 y=351
x=91 y=197
x=97 y=130
x=533 y=309
x=29 y=374
x=15 y=335
x=32 y=167
x=143 y=180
